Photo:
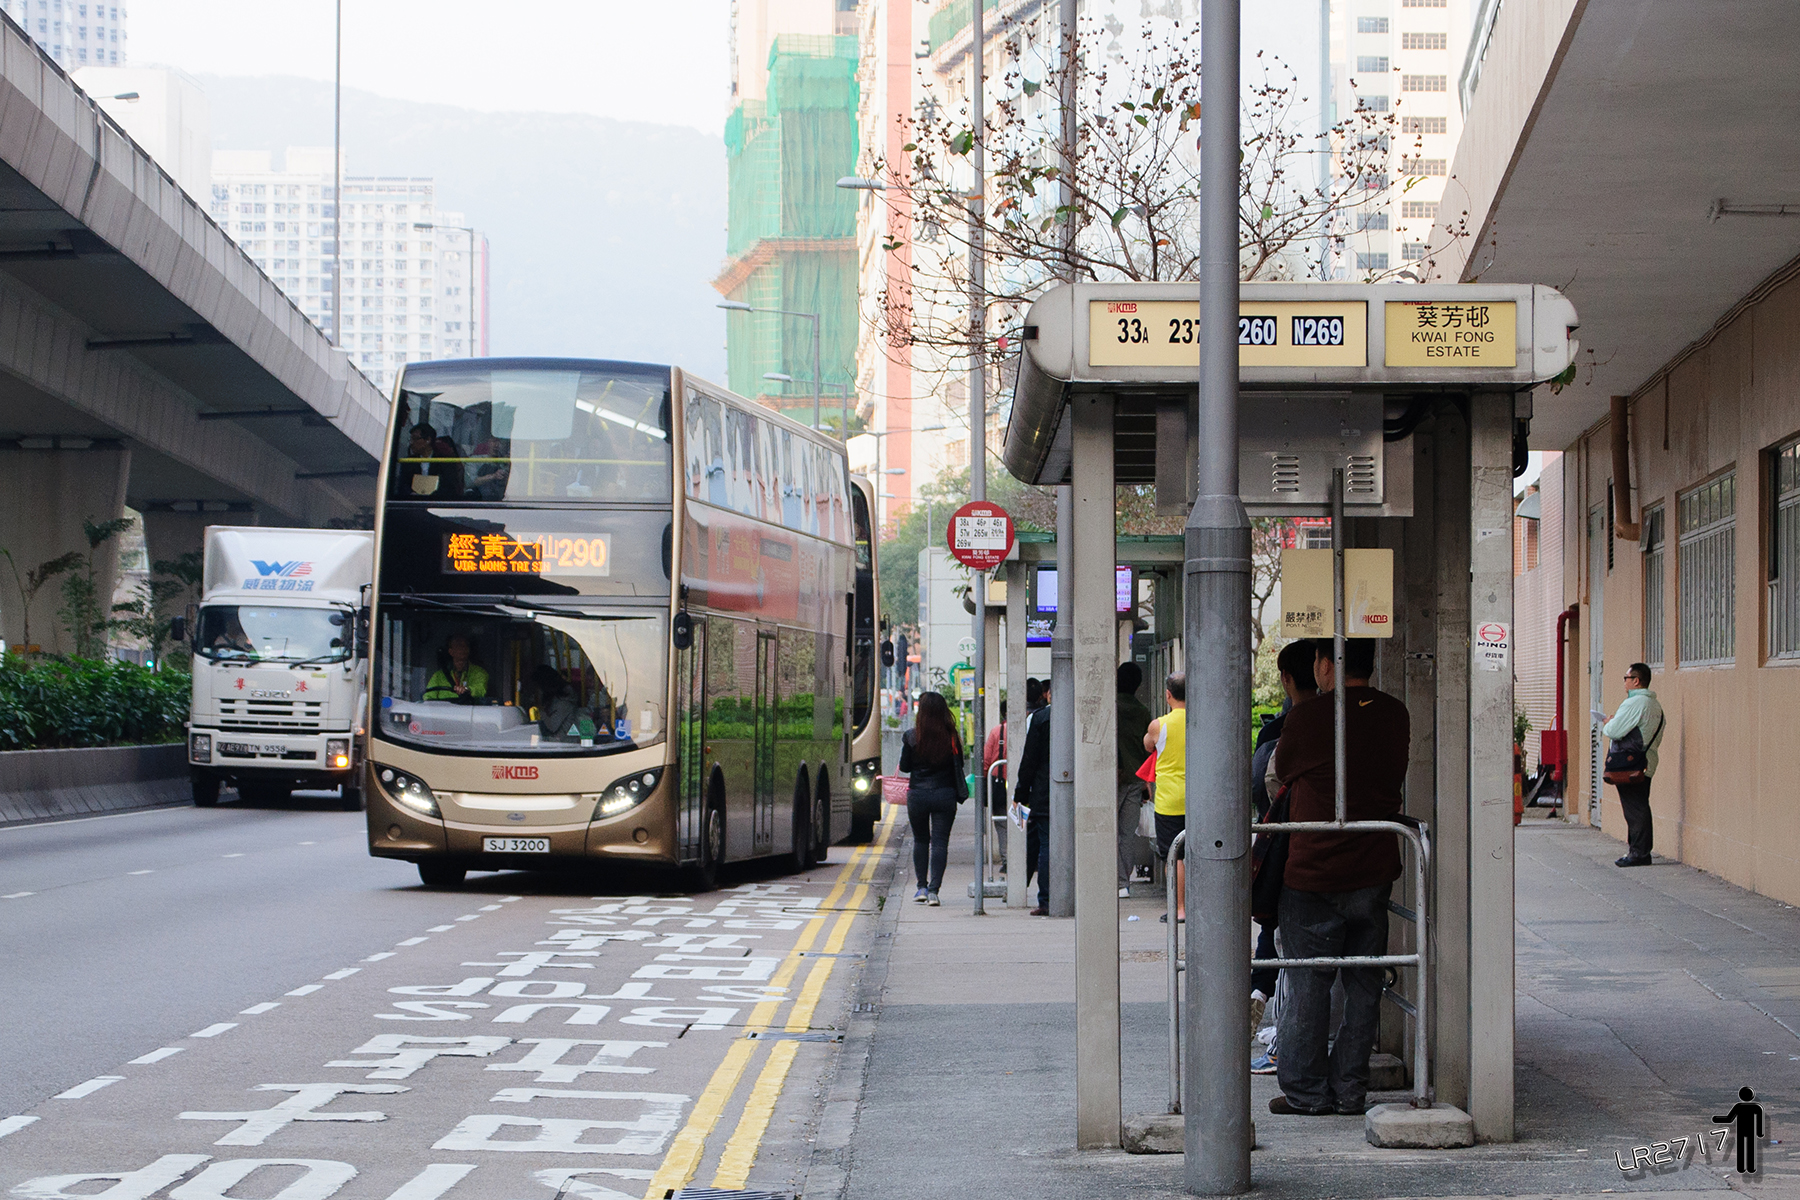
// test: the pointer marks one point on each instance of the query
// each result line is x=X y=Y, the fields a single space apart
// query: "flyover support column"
x=1097 y=1073
x=170 y=533
x=1216 y=651
x=44 y=497
x=1490 y=768
x=1016 y=714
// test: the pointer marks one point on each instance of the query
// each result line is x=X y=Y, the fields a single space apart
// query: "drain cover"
x=724 y=1194
x=783 y=1035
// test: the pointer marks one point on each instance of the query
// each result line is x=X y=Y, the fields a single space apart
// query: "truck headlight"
x=409 y=790
x=200 y=747
x=337 y=753
x=626 y=793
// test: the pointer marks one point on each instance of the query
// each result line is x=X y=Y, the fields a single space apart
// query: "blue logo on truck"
x=279 y=576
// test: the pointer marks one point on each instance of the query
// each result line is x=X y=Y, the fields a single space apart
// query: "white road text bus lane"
x=588 y=1055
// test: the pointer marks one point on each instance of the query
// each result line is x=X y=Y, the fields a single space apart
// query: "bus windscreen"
x=490 y=430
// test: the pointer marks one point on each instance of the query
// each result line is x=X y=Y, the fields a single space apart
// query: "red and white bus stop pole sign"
x=980 y=535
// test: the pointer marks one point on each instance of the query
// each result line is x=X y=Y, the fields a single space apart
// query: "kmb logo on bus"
x=515 y=773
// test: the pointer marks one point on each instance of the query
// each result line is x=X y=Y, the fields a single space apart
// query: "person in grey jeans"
x=1336 y=886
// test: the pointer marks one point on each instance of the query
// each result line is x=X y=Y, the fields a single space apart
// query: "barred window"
x=1655 y=547
x=1424 y=41
x=1423 y=166
x=1372 y=103
x=1784 y=554
x=1371 y=220
x=1708 y=566
x=1423 y=83
x=1413 y=251
x=1368 y=62
x=1418 y=210
x=1371 y=262
x=1424 y=124
x=1371 y=24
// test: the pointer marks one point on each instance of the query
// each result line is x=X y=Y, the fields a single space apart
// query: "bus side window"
x=768 y=470
x=718 y=477
x=740 y=460
x=790 y=482
x=694 y=445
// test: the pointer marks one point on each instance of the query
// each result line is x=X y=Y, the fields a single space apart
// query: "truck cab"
x=280 y=666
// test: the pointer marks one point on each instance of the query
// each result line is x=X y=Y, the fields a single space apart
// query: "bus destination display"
x=1165 y=333
x=527 y=554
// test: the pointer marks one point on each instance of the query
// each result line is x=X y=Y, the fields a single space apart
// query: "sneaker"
x=1263 y=1064
x=931 y=899
x=1282 y=1108
x=920 y=896
x=1257 y=1007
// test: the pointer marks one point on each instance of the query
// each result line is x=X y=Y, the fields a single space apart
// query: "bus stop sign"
x=980 y=535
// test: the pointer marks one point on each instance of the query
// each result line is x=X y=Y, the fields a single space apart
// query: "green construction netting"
x=821 y=281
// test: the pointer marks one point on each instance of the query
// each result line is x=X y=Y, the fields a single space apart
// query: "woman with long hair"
x=931 y=755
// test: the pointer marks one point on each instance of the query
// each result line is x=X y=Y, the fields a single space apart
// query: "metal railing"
x=1417 y=1010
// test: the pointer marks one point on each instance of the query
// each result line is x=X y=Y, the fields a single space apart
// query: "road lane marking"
x=239 y=854
x=432 y=1182
x=140 y=872
x=14 y=1124
x=688 y=1146
x=412 y=941
x=740 y=1152
x=306 y=989
x=17 y=896
x=89 y=1088
x=215 y=1030
x=155 y=1056
x=469 y=917
x=436 y=929
x=490 y=908
x=379 y=957
x=257 y=1009
x=346 y=973
x=510 y=899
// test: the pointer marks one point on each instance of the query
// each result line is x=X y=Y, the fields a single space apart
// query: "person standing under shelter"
x=1642 y=714
x=1335 y=896
x=1032 y=789
x=1167 y=738
x=1134 y=723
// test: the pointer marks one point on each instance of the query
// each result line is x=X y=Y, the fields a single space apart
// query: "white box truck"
x=280 y=662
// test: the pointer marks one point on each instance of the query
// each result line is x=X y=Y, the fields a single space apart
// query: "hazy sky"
x=664 y=62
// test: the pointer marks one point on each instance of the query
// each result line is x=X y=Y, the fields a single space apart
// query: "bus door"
x=762 y=821
x=691 y=748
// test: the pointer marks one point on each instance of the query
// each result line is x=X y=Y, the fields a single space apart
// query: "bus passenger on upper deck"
x=457 y=679
x=440 y=474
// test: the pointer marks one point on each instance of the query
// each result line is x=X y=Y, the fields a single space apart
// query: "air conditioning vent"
x=1284 y=474
x=1360 y=478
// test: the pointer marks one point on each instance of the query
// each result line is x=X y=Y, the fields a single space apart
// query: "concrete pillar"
x=44 y=497
x=170 y=533
x=1416 y=614
x=1490 y=772
x=1016 y=574
x=1062 y=714
x=1450 y=821
x=1097 y=1072
x=990 y=633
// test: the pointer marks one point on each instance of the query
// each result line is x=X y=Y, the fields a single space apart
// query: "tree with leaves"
x=85 y=613
x=32 y=582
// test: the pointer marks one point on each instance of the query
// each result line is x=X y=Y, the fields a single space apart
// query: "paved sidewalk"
x=1647 y=997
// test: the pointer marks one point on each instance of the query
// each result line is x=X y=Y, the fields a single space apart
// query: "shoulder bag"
x=1628 y=758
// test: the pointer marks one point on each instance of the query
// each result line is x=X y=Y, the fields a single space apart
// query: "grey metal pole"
x=1216 y=1081
x=337 y=186
x=1062 y=715
x=978 y=444
x=816 y=384
x=1062 y=638
x=1340 y=799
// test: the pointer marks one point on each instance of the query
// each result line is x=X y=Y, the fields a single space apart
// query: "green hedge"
x=60 y=702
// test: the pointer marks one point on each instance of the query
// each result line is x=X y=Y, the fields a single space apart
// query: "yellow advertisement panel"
x=1166 y=333
x=1438 y=333
x=1306 y=601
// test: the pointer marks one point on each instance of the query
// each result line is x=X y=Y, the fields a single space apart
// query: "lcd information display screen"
x=491 y=554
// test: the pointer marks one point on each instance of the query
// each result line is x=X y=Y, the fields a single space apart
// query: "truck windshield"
x=505 y=680
x=246 y=633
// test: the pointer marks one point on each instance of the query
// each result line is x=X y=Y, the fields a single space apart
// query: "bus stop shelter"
x=1420 y=396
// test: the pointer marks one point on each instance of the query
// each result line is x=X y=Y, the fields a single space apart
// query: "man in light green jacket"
x=1641 y=712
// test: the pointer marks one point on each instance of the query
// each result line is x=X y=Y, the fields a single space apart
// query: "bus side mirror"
x=362 y=633
x=682 y=630
x=178 y=629
x=887 y=654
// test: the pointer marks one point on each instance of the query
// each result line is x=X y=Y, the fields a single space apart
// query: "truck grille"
x=270 y=714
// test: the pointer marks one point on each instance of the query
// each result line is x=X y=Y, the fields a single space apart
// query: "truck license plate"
x=505 y=845
x=248 y=749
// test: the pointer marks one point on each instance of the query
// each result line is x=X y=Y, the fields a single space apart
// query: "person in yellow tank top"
x=1167 y=739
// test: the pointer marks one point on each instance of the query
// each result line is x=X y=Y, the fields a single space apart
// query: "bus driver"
x=457 y=680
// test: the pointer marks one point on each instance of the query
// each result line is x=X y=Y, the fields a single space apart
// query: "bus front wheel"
x=704 y=875
x=800 y=856
x=441 y=874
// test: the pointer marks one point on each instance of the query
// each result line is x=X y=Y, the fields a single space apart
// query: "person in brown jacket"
x=1336 y=886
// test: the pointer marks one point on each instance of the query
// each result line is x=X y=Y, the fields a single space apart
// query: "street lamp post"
x=740 y=306
x=469 y=296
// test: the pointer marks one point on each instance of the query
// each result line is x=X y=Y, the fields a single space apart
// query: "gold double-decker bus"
x=615 y=618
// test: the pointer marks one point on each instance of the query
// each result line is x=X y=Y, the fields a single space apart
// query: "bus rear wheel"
x=441 y=874
x=800 y=856
x=703 y=876
x=821 y=822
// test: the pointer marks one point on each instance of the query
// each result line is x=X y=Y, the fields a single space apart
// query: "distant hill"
x=605 y=234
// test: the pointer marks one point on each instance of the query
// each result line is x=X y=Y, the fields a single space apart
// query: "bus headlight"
x=863 y=775
x=861 y=783
x=626 y=793
x=200 y=747
x=337 y=753
x=409 y=790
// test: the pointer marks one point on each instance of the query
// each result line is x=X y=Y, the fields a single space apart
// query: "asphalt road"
x=239 y=1001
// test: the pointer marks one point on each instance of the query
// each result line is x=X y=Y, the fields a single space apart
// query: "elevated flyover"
x=144 y=359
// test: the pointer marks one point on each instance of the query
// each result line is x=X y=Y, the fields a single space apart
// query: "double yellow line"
x=689 y=1146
